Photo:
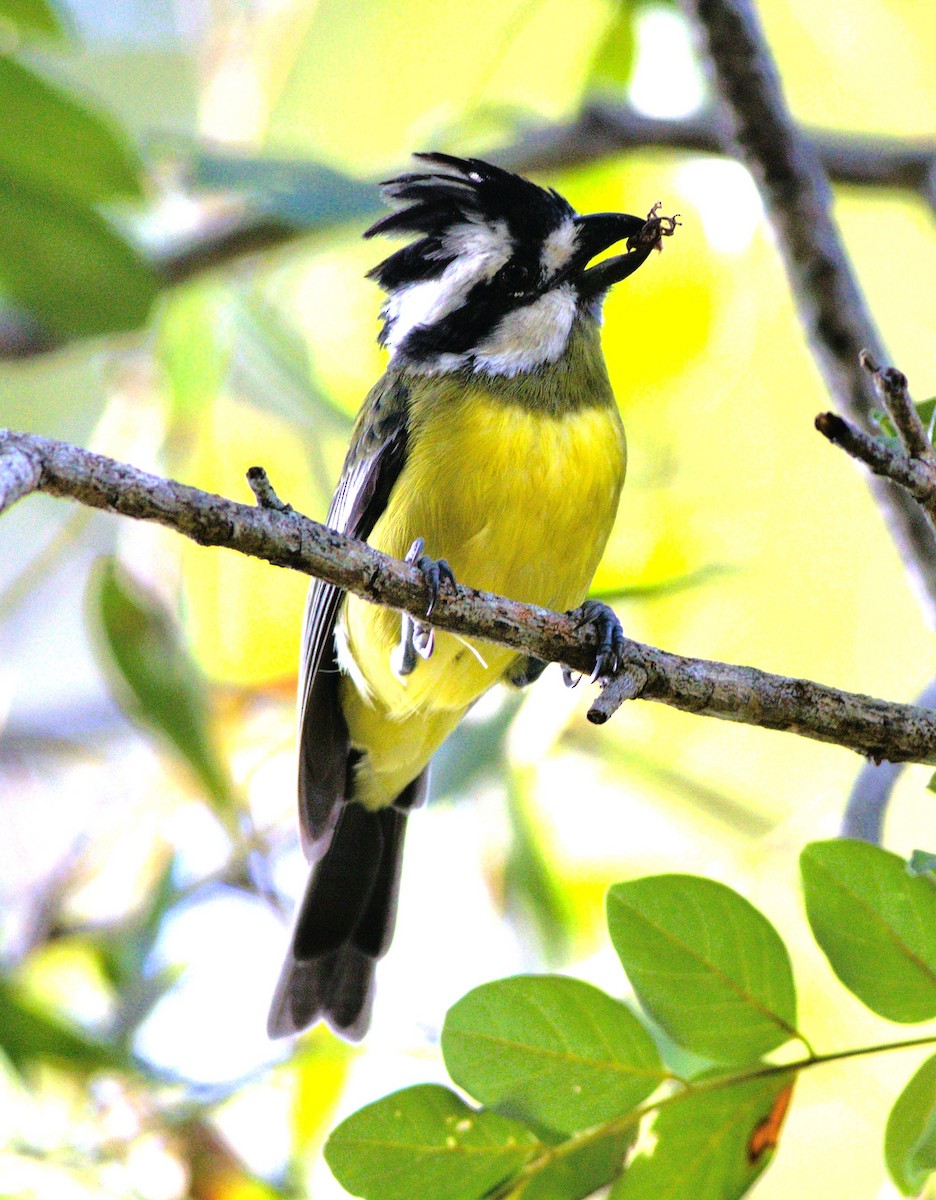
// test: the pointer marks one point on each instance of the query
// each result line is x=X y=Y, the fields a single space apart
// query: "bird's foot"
x=526 y=671
x=417 y=638
x=608 y=634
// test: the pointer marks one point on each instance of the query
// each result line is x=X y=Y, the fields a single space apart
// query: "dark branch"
x=871 y=727
x=894 y=390
x=873 y=790
x=913 y=467
x=262 y=489
x=916 y=477
x=605 y=130
x=796 y=193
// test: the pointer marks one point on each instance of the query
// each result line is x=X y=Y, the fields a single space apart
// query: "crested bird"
x=492 y=452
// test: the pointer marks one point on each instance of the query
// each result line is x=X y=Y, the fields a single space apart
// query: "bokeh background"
x=148 y=859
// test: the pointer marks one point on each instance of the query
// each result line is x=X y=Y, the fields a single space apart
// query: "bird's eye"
x=516 y=278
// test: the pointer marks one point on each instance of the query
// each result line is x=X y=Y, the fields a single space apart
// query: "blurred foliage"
x=124 y=137
x=308 y=195
x=926 y=409
x=29 y=1036
x=614 y=58
x=63 y=259
x=155 y=679
x=32 y=17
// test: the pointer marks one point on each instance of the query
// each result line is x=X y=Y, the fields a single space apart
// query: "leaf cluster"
x=579 y=1090
x=63 y=166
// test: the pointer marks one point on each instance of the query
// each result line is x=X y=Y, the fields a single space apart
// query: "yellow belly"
x=520 y=503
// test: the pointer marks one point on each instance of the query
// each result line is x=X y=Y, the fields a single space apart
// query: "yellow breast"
x=520 y=502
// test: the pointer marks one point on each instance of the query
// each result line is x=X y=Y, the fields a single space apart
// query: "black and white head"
x=498 y=272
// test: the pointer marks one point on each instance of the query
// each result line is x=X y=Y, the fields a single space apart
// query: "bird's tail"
x=345 y=923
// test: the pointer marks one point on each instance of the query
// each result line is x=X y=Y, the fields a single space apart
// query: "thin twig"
x=916 y=477
x=263 y=490
x=874 y=728
x=627 y=684
x=894 y=390
x=796 y=193
x=914 y=466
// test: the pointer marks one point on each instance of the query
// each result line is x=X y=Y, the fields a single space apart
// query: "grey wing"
x=372 y=467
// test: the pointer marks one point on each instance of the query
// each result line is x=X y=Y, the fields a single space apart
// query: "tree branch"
x=873 y=790
x=913 y=467
x=916 y=477
x=871 y=727
x=603 y=130
x=796 y=193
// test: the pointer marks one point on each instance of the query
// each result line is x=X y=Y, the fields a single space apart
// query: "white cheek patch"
x=480 y=251
x=559 y=248
x=529 y=336
x=483 y=243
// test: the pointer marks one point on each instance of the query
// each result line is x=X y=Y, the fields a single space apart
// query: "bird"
x=491 y=451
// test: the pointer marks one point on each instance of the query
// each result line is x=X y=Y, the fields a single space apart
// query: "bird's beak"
x=597 y=232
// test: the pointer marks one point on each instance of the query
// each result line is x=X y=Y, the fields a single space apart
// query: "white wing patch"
x=480 y=251
x=529 y=336
x=348 y=663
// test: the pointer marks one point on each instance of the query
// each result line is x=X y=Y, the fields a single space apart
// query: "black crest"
x=427 y=204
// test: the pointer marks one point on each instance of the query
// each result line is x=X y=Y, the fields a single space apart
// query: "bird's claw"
x=417 y=638
x=527 y=671
x=608 y=634
x=435 y=571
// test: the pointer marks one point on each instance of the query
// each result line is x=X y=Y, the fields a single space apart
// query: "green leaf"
x=154 y=678
x=533 y=891
x=910 y=1138
x=922 y=863
x=424 y=1141
x=876 y=924
x=614 y=59
x=33 y=17
x=706 y=964
x=614 y=593
x=124 y=951
x=926 y=409
x=475 y=751
x=69 y=149
x=710 y=1145
x=69 y=267
x=194 y=346
x=28 y=1035
x=509 y=52
x=550 y=1050
x=305 y=194
x=60 y=258
x=578 y=1168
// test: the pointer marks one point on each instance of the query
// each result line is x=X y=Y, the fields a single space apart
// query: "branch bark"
x=874 y=728
x=797 y=196
x=917 y=478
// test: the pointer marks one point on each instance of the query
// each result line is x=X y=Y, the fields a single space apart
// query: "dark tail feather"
x=345 y=922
